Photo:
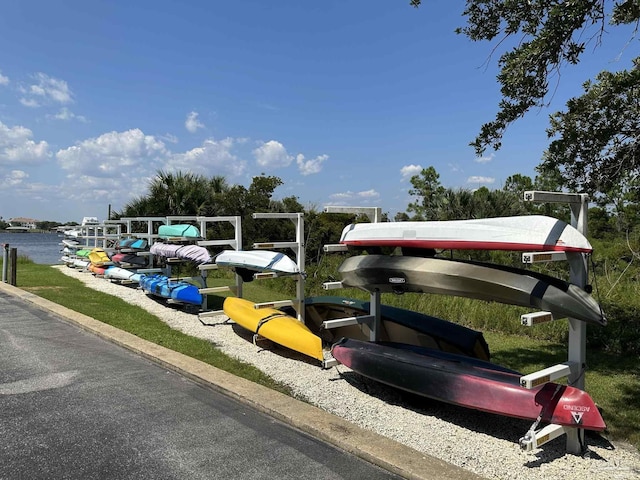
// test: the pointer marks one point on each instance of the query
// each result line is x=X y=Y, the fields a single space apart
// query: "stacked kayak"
x=193 y=253
x=99 y=258
x=179 y=230
x=275 y=325
x=122 y=274
x=178 y=291
x=468 y=382
x=129 y=258
x=397 y=325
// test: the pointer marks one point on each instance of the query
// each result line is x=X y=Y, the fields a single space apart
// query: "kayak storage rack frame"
x=573 y=368
x=373 y=319
x=298 y=248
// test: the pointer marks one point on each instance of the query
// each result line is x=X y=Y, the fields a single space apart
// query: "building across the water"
x=22 y=223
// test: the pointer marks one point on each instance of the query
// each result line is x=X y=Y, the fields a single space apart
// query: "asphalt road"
x=75 y=406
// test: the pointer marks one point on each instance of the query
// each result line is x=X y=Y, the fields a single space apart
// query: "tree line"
x=185 y=193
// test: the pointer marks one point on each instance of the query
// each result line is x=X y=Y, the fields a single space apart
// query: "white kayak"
x=118 y=273
x=258 y=260
x=522 y=233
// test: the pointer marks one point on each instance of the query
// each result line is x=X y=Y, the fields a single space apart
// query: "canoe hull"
x=275 y=326
x=400 y=274
x=477 y=385
x=522 y=233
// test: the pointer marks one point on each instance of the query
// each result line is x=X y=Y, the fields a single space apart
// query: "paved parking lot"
x=75 y=406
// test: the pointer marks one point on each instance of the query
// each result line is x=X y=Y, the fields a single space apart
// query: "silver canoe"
x=399 y=274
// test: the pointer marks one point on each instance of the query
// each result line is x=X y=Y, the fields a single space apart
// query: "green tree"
x=427 y=187
x=598 y=133
x=595 y=147
x=46 y=225
x=180 y=193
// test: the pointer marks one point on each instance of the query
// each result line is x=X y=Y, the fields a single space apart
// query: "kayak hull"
x=401 y=274
x=520 y=233
x=178 y=291
x=468 y=383
x=397 y=325
x=274 y=325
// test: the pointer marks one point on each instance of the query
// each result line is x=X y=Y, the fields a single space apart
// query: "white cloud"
x=17 y=147
x=13 y=178
x=192 y=124
x=478 y=179
x=348 y=195
x=409 y=171
x=66 y=114
x=484 y=159
x=212 y=158
x=47 y=90
x=342 y=196
x=272 y=154
x=168 y=137
x=368 y=194
x=4 y=80
x=308 y=167
x=29 y=102
x=114 y=153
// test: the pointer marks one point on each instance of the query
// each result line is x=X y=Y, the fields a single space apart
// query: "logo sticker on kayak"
x=397 y=280
x=577 y=411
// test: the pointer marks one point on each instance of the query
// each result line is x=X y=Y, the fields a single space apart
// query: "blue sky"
x=342 y=99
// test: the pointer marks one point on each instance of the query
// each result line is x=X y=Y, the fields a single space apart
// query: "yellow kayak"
x=99 y=257
x=275 y=326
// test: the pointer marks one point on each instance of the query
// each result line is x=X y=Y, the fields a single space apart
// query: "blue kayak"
x=179 y=291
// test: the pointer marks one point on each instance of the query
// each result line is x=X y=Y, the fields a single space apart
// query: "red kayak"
x=468 y=382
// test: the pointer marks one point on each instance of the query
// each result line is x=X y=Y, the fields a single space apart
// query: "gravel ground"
x=479 y=442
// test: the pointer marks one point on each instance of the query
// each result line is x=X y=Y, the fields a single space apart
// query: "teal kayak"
x=178 y=230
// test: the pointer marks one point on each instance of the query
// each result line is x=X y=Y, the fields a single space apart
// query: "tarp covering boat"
x=193 y=253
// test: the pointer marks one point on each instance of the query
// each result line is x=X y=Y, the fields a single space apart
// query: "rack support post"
x=577 y=347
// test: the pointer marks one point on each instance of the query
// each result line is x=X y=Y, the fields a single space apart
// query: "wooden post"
x=5 y=262
x=13 y=254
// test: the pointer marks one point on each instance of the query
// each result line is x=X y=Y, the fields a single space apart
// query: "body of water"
x=43 y=248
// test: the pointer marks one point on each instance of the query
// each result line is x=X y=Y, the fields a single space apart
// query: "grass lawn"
x=613 y=382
